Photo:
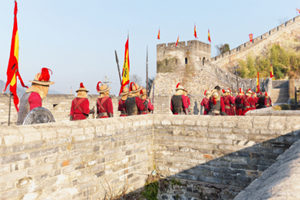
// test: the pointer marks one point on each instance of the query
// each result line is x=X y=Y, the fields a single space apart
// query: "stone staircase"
x=280 y=91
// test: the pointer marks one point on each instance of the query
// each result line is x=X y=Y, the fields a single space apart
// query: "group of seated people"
x=221 y=102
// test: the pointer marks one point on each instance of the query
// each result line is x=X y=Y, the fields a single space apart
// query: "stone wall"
x=215 y=157
x=90 y=159
x=58 y=104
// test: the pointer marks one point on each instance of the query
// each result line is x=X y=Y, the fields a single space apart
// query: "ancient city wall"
x=279 y=34
x=99 y=158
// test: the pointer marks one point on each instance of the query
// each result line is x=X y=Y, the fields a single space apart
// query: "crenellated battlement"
x=191 y=44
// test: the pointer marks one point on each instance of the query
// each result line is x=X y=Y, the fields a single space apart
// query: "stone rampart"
x=215 y=157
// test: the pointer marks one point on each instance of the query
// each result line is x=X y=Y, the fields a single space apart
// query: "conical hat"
x=82 y=88
x=43 y=78
x=179 y=87
x=102 y=88
x=124 y=92
x=134 y=87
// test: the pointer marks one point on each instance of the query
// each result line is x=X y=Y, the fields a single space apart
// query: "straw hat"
x=124 y=92
x=82 y=88
x=207 y=93
x=143 y=93
x=103 y=88
x=134 y=88
x=43 y=78
x=179 y=87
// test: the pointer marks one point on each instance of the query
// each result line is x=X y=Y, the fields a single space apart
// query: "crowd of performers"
x=134 y=100
x=221 y=102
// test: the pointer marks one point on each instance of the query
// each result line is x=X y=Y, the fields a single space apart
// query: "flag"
x=158 y=35
x=298 y=10
x=195 y=32
x=209 y=39
x=13 y=63
x=177 y=41
x=126 y=67
x=271 y=71
x=257 y=84
x=251 y=37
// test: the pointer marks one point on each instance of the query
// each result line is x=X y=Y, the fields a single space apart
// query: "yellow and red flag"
x=177 y=41
x=13 y=63
x=158 y=35
x=251 y=37
x=298 y=10
x=257 y=84
x=195 y=32
x=209 y=39
x=126 y=67
x=271 y=71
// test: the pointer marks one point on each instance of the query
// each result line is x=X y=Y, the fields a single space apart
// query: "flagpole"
x=147 y=80
x=117 y=60
x=9 y=108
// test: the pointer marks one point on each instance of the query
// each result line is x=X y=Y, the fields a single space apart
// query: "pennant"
x=158 y=35
x=209 y=39
x=195 y=32
x=298 y=10
x=257 y=84
x=177 y=41
x=271 y=71
x=251 y=37
x=126 y=67
x=13 y=63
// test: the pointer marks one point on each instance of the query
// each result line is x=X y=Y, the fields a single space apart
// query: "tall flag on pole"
x=257 y=83
x=209 y=39
x=271 y=71
x=195 y=32
x=298 y=10
x=177 y=41
x=126 y=67
x=13 y=63
x=158 y=35
x=251 y=37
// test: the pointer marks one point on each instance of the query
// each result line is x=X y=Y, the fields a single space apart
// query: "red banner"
x=251 y=37
x=195 y=32
x=208 y=37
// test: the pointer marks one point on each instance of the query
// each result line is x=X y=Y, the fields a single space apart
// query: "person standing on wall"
x=205 y=103
x=122 y=107
x=35 y=94
x=216 y=102
x=104 y=102
x=80 y=105
x=134 y=104
x=239 y=101
x=188 y=101
x=179 y=103
x=149 y=108
x=267 y=100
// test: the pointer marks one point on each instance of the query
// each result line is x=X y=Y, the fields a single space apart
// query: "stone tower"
x=191 y=53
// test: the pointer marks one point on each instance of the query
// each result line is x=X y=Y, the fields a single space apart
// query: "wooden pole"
x=147 y=80
x=9 y=108
x=117 y=60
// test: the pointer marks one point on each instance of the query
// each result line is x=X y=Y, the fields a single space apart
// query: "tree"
x=222 y=48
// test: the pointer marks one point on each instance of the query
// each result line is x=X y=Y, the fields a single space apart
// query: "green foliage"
x=223 y=48
x=286 y=63
x=151 y=190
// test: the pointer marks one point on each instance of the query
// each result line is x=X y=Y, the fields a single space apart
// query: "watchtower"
x=171 y=58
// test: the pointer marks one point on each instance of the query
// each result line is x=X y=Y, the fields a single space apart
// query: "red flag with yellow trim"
x=251 y=37
x=158 y=35
x=271 y=71
x=257 y=84
x=195 y=32
x=208 y=37
x=177 y=41
x=126 y=67
x=13 y=63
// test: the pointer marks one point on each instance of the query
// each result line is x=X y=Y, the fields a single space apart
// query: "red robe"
x=122 y=108
x=206 y=105
x=252 y=103
x=184 y=104
x=80 y=108
x=104 y=107
x=247 y=105
x=228 y=101
x=239 y=103
x=34 y=100
x=147 y=110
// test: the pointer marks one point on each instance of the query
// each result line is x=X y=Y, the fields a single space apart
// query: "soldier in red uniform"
x=217 y=102
x=239 y=102
x=205 y=103
x=122 y=107
x=268 y=101
x=247 y=102
x=188 y=101
x=134 y=104
x=80 y=105
x=35 y=94
x=104 y=102
x=232 y=99
x=228 y=102
x=146 y=101
x=179 y=102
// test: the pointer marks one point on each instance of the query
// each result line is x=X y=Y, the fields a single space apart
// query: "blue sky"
x=77 y=39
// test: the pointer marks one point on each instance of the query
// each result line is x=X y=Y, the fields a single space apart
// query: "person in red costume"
x=179 y=102
x=188 y=101
x=232 y=105
x=239 y=102
x=80 y=105
x=228 y=102
x=104 y=102
x=205 y=103
x=146 y=101
x=247 y=102
x=217 y=102
x=122 y=107
x=268 y=101
x=134 y=104
x=35 y=94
